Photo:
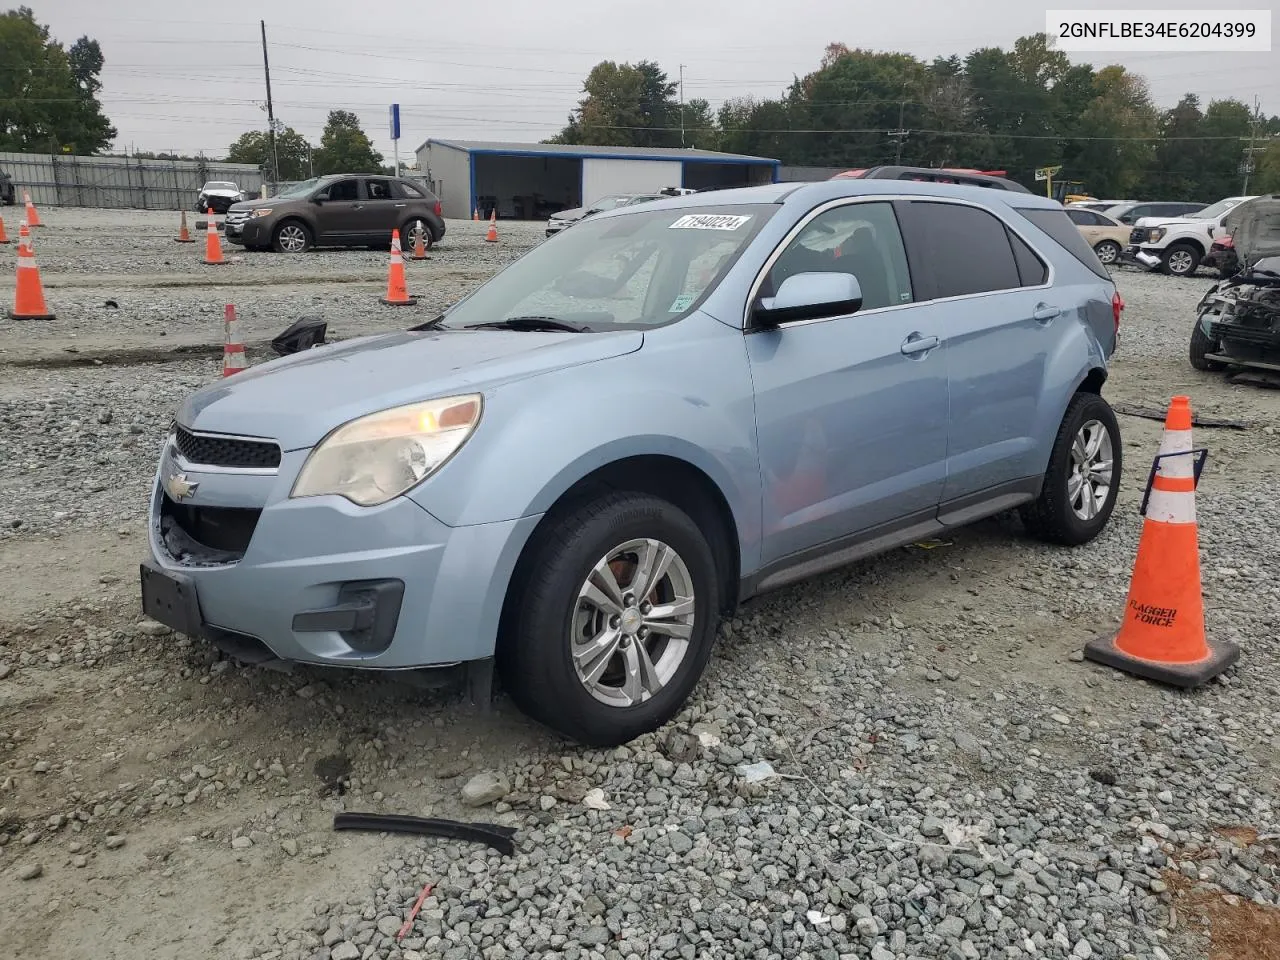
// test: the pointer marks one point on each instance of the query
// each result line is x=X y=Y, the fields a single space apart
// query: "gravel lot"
x=949 y=779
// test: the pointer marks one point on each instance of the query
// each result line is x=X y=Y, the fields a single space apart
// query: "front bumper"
x=1140 y=256
x=249 y=232
x=324 y=581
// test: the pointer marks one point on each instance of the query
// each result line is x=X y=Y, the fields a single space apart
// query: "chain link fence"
x=121 y=182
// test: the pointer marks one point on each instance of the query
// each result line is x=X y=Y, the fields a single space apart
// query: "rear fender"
x=1077 y=357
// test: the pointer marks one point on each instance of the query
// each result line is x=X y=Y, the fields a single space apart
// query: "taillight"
x=1117 y=308
x=439 y=209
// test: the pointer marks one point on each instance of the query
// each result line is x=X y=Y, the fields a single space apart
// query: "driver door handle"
x=917 y=344
x=401 y=204
x=1044 y=313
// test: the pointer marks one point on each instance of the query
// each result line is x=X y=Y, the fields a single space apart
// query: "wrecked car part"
x=304 y=334
x=1238 y=319
x=498 y=837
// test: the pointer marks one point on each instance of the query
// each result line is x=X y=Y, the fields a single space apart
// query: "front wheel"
x=611 y=619
x=291 y=237
x=1201 y=345
x=1083 y=478
x=1181 y=260
x=1108 y=251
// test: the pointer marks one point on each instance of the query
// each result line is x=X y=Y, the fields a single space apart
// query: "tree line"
x=1014 y=110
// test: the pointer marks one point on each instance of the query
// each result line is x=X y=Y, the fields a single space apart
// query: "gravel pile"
x=905 y=760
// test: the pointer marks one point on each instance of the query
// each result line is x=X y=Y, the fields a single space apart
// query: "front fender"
x=686 y=393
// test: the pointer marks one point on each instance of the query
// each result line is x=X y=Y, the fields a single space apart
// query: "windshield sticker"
x=681 y=303
x=707 y=221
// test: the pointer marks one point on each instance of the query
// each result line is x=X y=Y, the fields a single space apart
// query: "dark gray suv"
x=338 y=210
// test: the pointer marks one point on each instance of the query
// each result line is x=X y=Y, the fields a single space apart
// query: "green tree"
x=254 y=146
x=1268 y=169
x=1122 y=111
x=625 y=104
x=48 y=95
x=344 y=147
x=1229 y=123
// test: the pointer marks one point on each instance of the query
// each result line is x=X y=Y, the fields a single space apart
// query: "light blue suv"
x=576 y=470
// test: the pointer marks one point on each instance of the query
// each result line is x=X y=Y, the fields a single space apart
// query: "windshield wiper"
x=434 y=324
x=531 y=324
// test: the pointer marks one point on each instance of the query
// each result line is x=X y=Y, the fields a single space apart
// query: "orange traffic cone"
x=492 y=235
x=33 y=218
x=397 y=291
x=212 y=243
x=184 y=235
x=4 y=237
x=475 y=214
x=24 y=237
x=233 y=348
x=1162 y=637
x=420 y=244
x=28 y=297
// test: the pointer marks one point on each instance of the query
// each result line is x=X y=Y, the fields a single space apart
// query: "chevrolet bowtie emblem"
x=179 y=487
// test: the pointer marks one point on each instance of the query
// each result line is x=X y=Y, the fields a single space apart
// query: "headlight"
x=1155 y=235
x=377 y=458
x=262 y=212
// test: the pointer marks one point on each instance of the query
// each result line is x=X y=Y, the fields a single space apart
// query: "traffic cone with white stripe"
x=184 y=235
x=28 y=296
x=33 y=218
x=1162 y=637
x=420 y=243
x=397 y=290
x=212 y=242
x=233 y=360
x=24 y=237
x=492 y=235
x=4 y=237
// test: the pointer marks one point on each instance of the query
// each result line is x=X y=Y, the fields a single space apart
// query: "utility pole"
x=682 y=105
x=1247 y=165
x=900 y=135
x=271 y=116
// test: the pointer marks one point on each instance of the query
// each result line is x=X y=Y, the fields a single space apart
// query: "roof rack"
x=972 y=178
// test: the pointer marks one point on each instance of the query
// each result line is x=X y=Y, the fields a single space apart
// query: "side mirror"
x=320 y=197
x=810 y=296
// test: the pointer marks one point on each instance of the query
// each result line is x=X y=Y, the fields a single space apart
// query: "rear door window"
x=379 y=189
x=966 y=248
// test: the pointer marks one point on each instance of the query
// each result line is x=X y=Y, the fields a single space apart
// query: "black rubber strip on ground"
x=498 y=837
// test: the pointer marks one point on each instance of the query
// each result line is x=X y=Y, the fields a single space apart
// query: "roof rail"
x=970 y=178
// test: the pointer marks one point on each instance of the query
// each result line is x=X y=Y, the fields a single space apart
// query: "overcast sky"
x=187 y=75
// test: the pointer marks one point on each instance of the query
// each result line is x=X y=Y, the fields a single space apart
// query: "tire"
x=407 y=238
x=1200 y=345
x=1053 y=516
x=291 y=236
x=1108 y=252
x=1180 y=260
x=545 y=613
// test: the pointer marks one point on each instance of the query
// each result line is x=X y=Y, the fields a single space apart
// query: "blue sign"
x=395 y=121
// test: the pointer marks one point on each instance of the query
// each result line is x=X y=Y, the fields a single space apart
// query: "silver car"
x=567 y=218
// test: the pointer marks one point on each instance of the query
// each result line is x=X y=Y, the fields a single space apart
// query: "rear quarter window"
x=1058 y=225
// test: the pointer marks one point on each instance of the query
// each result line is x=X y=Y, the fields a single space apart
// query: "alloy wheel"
x=1089 y=482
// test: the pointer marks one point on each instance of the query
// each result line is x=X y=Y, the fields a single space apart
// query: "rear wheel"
x=292 y=236
x=1181 y=260
x=1201 y=345
x=1108 y=251
x=1083 y=478
x=409 y=234
x=611 y=619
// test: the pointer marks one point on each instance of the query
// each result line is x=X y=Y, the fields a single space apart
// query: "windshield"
x=220 y=185
x=1217 y=210
x=640 y=269
x=300 y=189
x=609 y=203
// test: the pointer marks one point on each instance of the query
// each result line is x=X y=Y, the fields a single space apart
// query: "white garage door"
x=601 y=178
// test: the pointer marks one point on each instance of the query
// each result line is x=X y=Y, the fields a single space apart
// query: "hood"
x=221 y=192
x=1255 y=228
x=1170 y=221
x=574 y=214
x=255 y=204
x=298 y=399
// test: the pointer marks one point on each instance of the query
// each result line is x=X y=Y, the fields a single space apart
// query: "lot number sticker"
x=708 y=221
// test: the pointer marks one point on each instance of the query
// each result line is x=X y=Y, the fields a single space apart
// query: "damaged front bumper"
x=1135 y=255
x=320 y=580
x=1243 y=323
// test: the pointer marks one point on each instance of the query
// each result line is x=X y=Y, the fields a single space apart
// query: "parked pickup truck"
x=1177 y=245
